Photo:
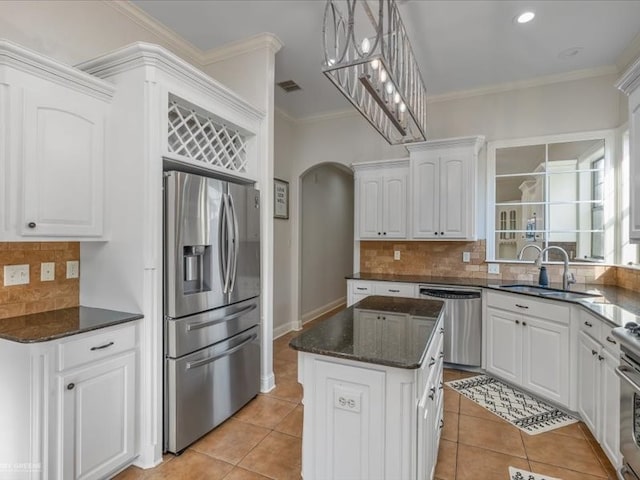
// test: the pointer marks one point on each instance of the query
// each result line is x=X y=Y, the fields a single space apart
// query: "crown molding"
x=34 y=63
x=285 y=115
x=374 y=164
x=247 y=45
x=141 y=54
x=524 y=84
x=476 y=142
x=186 y=49
x=630 y=80
x=629 y=54
x=177 y=43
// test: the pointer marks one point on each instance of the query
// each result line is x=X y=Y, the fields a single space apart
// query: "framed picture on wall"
x=280 y=199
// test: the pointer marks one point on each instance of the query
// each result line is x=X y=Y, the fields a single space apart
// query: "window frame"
x=610 y=203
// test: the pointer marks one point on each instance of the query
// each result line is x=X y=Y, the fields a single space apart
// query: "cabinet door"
x=545 y=362
x=454 y=189
x=370 y=206
x=63 y=139
x=609 y=436
x=97 y=423
x=426 y=186
x=393 y=333
x=588 y=380
x=394 y=206
x=504 y=342
x=634 y=163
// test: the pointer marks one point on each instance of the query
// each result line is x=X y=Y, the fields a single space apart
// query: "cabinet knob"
x=517 y=322
x=524 y=324
x=384 y=233
x=31 y=224
x=593 y=352
x=71 y=386
x=436 y=233
x=441 y=233
x=600 y=357
x=379 y=233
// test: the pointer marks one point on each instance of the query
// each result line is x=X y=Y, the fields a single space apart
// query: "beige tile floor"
x=264 y=441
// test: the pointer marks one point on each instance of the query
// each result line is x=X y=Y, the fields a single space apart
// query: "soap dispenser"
x=543 y=279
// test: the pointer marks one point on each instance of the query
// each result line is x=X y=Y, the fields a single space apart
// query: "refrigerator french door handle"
x=235 y=244
x=222 y=241
x=205 y=361
x=236 y=314
x=229 y=221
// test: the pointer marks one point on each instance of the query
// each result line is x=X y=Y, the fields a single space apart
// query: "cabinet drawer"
x=527 y=305
x=395 y=289
x=362 y=288
x=106 y=342
x=590 y=325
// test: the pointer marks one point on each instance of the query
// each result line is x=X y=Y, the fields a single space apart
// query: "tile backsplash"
x=445 y=259
x=37 y=296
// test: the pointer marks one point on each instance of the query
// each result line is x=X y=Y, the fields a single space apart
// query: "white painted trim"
x=285 y=115
x=630 y=79
x=524 y=84
x=318 y=312
x=241 y=47
x=629 y=54
x=284 y=329
x=322 y=117
x=476 y=141
x=376 y=164
x=154 y=26
x=29 y=61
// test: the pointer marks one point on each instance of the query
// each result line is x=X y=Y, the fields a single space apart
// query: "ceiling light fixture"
x=368 y=57
x=525 y=17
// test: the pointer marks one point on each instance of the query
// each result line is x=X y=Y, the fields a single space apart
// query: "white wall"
x=327 y=238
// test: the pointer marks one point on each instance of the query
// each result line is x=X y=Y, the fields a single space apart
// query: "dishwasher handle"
x=450 y=294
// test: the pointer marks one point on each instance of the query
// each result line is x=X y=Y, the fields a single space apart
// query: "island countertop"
x=391 y=331
x=45 y=326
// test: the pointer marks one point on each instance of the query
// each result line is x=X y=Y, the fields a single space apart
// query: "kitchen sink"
x=548 y=292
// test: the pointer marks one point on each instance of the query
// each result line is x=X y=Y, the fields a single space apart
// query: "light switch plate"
x=47 y=271
x=396 y=254
x=73 y=269
x=16 y=275
x=466 y=257
x=494 y=268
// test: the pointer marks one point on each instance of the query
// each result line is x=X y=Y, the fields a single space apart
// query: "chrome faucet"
x=567 y=277
x=528 y=245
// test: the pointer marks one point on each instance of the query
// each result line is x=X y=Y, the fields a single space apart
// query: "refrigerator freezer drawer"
x=208 y=386
x=188 y=334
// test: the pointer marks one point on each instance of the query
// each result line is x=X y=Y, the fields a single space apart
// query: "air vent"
x=289 y=86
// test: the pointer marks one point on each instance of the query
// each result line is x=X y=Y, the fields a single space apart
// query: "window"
x=548 y=193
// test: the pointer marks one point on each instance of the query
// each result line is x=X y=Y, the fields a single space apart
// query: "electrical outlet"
x=73 y=269
x=16 y=275
x=47 y=271
x=494 y=268
x=346 y=400
x=396 y=254
x=466 y=257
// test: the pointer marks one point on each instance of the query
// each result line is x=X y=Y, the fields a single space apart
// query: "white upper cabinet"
x=629 y=83
x=53 y=157
x=381 y=199
x=444 y=185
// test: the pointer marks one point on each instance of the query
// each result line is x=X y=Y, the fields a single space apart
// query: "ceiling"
x=459 y=44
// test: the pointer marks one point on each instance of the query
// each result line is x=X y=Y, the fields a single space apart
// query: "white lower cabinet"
x=371 y=421
x=97 y=423
x=599 y=386
x=528 y=344
x=70 y=411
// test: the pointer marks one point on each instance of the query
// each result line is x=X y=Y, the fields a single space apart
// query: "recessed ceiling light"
x=525 y=17
x=570 y=52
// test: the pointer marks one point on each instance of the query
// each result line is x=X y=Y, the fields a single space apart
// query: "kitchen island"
x=372 y=378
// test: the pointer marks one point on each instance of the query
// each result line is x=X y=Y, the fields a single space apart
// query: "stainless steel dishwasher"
x=462 y=322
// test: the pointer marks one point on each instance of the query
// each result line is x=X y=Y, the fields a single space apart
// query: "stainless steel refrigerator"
x=211 y=303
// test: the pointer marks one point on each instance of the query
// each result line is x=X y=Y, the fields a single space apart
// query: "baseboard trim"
x=318 y=312
x=284 y=329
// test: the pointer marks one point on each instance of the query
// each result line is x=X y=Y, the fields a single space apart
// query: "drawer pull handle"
x=588 y=324
x=441 y=423
x=441 y=385
x=71 y=386
x=611 y=340
x=593 y=352
x=361 y=288
x=394 y=291
x=600 y=357
x=522 y=306
x=102 y=347
x=432 y=362
x=433 y=392
x=442 y=330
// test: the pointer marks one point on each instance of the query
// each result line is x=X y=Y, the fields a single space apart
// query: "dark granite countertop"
x=400 y=338
x=613 y=304
x=42 y=327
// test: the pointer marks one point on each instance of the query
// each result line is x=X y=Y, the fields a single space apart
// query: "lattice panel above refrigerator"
x=200 y=138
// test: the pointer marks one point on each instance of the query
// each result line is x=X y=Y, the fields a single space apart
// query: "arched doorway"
x=326 y=237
